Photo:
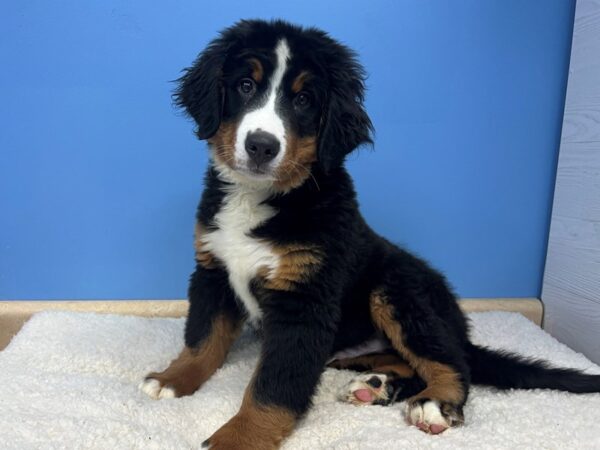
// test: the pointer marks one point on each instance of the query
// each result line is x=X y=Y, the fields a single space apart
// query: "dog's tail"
x=506 y=370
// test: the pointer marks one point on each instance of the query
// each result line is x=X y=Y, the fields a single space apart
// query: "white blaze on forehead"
x=266 y=117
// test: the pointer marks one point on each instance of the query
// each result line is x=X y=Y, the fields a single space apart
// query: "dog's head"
x=273 y=99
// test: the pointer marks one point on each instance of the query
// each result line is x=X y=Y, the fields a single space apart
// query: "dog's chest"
x=242 y=211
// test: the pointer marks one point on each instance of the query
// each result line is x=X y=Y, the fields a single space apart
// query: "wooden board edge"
x=14 y=313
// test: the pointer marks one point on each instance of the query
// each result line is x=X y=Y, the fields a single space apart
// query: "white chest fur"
x=243 y=255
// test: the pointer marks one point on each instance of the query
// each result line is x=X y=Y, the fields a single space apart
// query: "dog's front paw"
x=184 y=376
x=242 y=434
x=155 y=389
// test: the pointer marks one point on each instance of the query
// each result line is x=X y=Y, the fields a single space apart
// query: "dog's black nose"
x=262 y=147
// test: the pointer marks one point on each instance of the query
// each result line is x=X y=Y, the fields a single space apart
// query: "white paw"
x=153 y=389
x=427 y=417
x=366 y=389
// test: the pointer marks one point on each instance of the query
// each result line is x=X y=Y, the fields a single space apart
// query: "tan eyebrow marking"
x=257 y=69
x=299 y=81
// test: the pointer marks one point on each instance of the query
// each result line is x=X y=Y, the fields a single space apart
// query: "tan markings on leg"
x=255 y=426
x=194 y=366
x=257 y=69
x=295 y=168
x=403 y=370
x=203 y=257
x=299 y=81
x=296 y=265
x=223 y=144
x=443 y=382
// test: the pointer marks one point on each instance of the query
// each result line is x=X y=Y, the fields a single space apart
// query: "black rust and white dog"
x=280 y=243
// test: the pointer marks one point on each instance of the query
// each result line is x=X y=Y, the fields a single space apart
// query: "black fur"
x=329 y=310
x=506 y=370
x=345 y=123
x=200 y=89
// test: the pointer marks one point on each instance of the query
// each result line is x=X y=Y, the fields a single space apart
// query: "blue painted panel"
x=99 y=175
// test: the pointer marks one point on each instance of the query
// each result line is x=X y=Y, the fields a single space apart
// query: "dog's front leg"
x=298 y=335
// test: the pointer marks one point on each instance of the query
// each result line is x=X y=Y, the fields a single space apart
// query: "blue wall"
x=100 y=176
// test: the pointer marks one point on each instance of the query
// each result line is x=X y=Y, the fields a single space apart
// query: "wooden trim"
x=532 y=308
x=13 y=314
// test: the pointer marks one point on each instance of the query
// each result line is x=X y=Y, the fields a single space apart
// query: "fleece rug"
x=70 y=381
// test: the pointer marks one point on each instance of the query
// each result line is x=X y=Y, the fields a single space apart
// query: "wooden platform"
x=13 y=314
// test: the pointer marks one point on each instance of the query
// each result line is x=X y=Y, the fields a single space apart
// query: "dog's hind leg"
x=430 y=346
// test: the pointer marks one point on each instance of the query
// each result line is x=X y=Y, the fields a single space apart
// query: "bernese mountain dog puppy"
x=281 y=244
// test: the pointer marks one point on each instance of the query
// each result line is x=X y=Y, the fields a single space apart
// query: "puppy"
x=281 y=244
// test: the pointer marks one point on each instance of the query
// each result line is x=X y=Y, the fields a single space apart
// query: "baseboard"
x=13 y=314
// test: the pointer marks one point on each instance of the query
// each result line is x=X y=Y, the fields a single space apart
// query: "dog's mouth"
x=256 y=171
x=247 y=172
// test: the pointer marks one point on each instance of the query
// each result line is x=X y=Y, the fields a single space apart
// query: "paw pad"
x=366 y=389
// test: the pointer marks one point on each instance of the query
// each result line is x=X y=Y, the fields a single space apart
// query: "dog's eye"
x=302 y=100
x=247 y=86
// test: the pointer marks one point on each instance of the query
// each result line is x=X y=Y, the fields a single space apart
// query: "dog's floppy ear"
x=200 y=91
x=345 y=123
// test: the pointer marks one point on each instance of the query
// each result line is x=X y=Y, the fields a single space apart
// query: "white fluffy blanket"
x=69 y=380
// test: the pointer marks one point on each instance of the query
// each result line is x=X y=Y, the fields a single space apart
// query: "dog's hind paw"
x=432 y=416
x=367 y=389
